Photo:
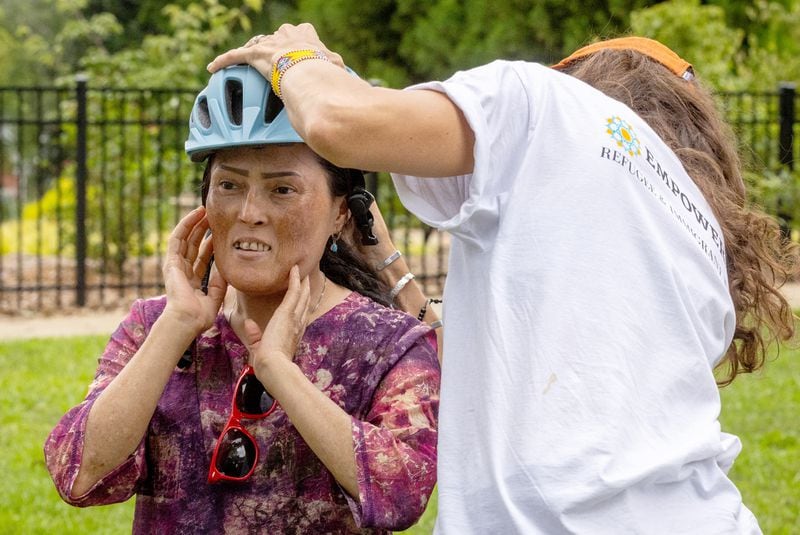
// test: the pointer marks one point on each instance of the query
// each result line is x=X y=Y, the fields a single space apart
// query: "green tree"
x=404 y=41
x=139 y=173
x=141 y=18
x=135 y=157
x=47 y=38
x=688 y=27
x=755 y=56
x=772 y=45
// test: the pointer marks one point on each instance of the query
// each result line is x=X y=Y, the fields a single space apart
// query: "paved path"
x=77 y=324
x=104 y=323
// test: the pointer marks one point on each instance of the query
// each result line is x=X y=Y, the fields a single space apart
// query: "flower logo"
x=621 y=132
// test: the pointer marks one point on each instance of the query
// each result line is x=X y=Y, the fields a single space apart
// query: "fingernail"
x=208 y=67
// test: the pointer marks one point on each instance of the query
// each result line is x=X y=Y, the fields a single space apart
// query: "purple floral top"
x=378 y=364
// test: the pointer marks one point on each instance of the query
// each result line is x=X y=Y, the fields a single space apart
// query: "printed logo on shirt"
x=662 y=187
x=622 y=132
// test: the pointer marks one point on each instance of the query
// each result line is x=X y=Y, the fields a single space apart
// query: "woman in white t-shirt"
x=604 y=263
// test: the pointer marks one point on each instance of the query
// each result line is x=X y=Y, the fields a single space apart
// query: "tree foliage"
x=734 y=45
x=404 y=41
x=398 y=41
x=763 y=50
x=125 y=43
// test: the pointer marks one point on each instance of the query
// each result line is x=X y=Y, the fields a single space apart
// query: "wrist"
x=277 y=374
x=182 y=324
x=425 y=309
x=388 y=260
x=394 y=271
x=406 y=294
x=173 y=338
x=285 y=60
x=400 y=285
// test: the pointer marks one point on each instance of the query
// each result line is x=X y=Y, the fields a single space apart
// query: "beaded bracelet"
x=289 y=59
x=401 y=284
x=386 y=263
x=424 y=309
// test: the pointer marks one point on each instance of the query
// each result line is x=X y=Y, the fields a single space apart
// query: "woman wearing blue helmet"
x=305 y=404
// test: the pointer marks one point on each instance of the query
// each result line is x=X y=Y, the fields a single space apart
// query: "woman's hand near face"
x=323 y=424
x=188 y=255
x=286 y=327
x=116 y=425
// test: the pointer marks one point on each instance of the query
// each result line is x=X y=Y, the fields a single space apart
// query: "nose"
x=253 y=212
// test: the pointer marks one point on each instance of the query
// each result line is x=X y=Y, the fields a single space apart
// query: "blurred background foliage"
x=734 y=45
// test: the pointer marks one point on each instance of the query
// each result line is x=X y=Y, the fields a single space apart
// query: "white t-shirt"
x=585 y=306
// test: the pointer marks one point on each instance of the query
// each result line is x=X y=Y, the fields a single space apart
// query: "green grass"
x=40 y=379
x=763 y=409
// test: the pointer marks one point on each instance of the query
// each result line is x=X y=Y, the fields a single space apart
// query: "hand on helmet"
x=262 y=50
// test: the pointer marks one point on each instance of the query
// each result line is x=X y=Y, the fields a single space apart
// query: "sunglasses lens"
x=252 y=397
x=236 y=454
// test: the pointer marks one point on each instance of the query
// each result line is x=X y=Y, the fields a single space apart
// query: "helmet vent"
x=233 y=99
x=202 y=113
x=273 y=107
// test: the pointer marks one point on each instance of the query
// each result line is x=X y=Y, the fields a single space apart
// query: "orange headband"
x=653 y=49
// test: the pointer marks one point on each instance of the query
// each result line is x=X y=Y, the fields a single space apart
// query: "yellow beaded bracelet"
x=288 y=59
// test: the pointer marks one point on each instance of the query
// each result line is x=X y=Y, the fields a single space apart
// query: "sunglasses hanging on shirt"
x=236 y=452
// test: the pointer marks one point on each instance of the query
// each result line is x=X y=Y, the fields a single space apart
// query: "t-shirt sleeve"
x=63 y=449
x=497 y=107
x=395 y=444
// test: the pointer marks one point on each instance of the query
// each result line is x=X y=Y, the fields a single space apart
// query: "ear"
x=343 y=215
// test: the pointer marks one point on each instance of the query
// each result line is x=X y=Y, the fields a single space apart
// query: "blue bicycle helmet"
x=237 y=109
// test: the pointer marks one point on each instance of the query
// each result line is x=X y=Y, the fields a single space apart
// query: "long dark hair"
x=346 y=267
x=684 y=115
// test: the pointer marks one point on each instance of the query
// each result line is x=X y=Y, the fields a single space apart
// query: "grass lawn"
x=40 y=379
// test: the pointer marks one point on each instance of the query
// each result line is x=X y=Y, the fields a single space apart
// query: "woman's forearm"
x=410 y=299
x=324 y=425
x=352 y=124
x=120 y=416
x=346 y=121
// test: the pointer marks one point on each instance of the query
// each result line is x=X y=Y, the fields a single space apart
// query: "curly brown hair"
x=759 y=258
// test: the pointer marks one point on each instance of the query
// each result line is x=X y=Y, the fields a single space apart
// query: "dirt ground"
x=104 y=323
x=75 y=324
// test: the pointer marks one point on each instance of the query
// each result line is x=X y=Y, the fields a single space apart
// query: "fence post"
x=80 y=191
x=786 y=111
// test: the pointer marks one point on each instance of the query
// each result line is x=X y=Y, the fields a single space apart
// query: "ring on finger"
x=255 y=40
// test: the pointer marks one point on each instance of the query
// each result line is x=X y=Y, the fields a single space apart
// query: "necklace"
x=322 y=293
x=233 y=306
x=310 y=312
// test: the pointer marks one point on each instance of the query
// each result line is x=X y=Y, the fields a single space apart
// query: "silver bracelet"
x=386 y=263
x=401 y=284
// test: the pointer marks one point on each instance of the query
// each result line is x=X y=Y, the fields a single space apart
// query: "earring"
x=334 y=239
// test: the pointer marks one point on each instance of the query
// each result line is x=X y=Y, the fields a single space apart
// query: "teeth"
x=251 y=246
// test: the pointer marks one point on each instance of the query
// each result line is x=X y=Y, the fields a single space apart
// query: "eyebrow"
x=244 y=172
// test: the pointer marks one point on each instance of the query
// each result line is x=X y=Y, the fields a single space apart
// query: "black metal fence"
x=765 y=123
x=94 y=179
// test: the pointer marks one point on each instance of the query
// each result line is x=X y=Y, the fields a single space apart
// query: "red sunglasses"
x=236 y=453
